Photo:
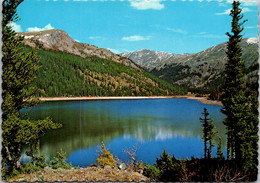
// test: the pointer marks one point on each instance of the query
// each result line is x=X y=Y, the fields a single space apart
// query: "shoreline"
x=203 y=100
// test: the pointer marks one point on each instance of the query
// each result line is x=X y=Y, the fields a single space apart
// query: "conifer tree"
x=233 y=90
x=240 y=108
x=19 y=69
x=209 y=133
x=220 y=153
x=205 y=125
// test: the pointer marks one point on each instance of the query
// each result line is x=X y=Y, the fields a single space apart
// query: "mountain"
x=69 y=69
x=199 y=70
x=58 y=40
x=149 y=59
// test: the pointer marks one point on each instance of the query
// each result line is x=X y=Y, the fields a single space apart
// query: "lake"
x=151 y=125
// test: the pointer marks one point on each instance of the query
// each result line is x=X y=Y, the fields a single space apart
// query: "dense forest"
x=64 y=74
x=211 y=62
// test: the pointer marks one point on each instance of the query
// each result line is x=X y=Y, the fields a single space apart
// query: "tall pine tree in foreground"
x=19 y=69
x=240 y=108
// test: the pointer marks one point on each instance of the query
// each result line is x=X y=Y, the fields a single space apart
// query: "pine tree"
x=220 y=153
x=19 y=69
x=205 y=125
x=240 y=109
x=209 y=133
x=233 y=89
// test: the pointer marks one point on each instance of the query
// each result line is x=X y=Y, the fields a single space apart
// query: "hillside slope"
x=58 y=40
x=64 y=74
x=71 y=69
x=200 y=70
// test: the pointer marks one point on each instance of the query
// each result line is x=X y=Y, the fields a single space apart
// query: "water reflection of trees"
x=88 y=128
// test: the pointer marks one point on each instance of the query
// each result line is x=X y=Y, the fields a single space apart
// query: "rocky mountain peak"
x=150 y=59
x=195 y=70
x=59 y=40
x=252 y=40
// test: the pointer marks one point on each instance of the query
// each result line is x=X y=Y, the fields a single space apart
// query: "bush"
x=6 y=173
x=105 y=157
x=60 y=161
x=167 y=168
x=152 y=172
x=37 y=164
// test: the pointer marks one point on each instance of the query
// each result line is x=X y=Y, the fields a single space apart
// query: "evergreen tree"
x=220 y=153
x=211 y=135
x=209 y=132
x=240 y=109
x=19 y=69
x=205 y=125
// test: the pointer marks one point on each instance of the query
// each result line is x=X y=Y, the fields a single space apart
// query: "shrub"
x=37 y=164
x=167 y=168
x=105 y=157
x=152 y=172
x=60 y=161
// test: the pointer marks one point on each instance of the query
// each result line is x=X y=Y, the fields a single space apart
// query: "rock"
x=59 y=40
x=122 y=166
x=22 y=180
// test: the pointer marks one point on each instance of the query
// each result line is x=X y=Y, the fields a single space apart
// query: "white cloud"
x=227 y=12
x=136 y=38
x=114 y=50
x=97 y=37
x=251 y=27
x=15 y=27
x=147 y=4
x=34 y=29
x=202 y=32
x=177 y=30
x=244 y=10
x=249 y=3
x=222 y=4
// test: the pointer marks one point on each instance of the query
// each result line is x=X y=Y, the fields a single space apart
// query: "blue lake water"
x=149 y=124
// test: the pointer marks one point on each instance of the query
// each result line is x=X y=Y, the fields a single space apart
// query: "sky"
x=173 y=26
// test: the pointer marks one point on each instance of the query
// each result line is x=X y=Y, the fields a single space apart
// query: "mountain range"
x=58 y=40
x=197 y=70
x=72 y=69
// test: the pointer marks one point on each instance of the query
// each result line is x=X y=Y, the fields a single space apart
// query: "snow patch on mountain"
x=252 y=40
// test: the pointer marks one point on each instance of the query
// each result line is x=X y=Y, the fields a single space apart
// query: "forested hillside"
x=201 y=72
x=64 y=74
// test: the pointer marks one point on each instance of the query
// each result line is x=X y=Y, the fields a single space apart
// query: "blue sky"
x=122 y=26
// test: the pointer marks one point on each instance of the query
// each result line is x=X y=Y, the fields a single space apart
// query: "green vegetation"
x=240 y=106
x=60 y=161
x=19 y=68
x=105 y=157
x=64 y=74
x=205 y=74
x=220 y=153
x=209 y=133
x=170 y=169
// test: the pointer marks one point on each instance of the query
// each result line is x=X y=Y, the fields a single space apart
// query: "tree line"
x=64 y=74
x=21 y=65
